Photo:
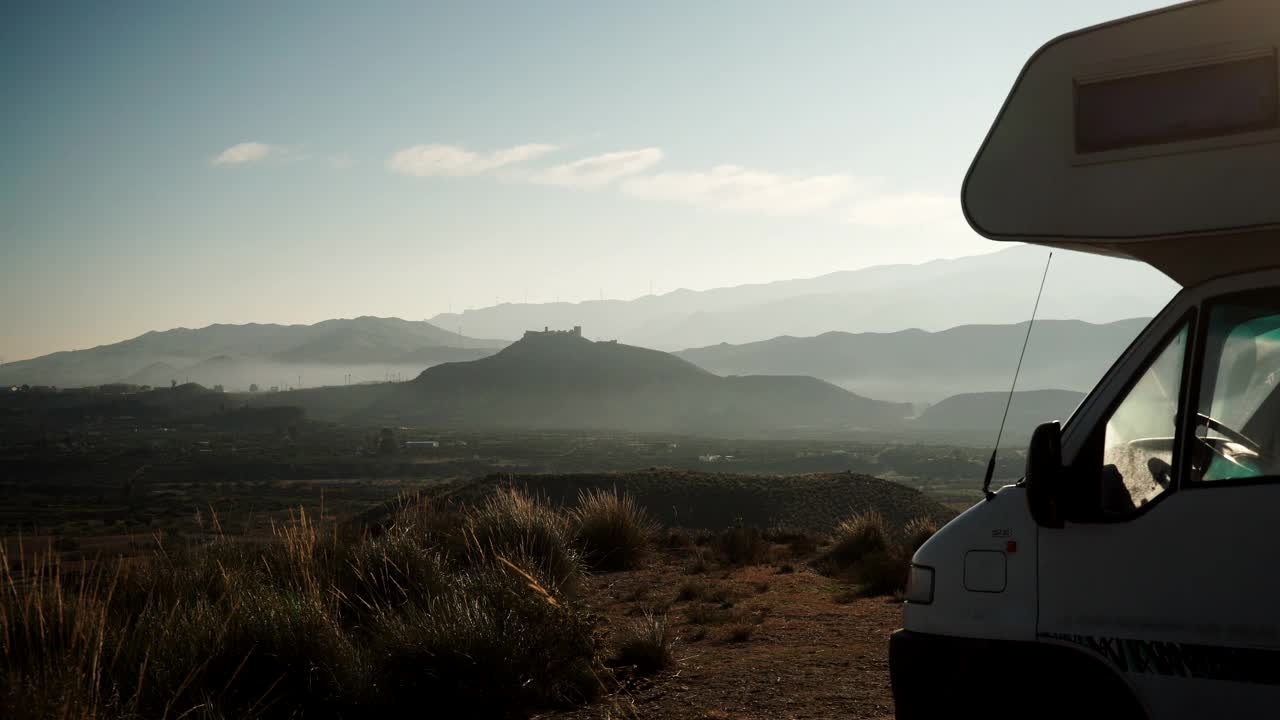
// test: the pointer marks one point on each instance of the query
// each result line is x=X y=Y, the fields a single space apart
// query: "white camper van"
x=1135 y=570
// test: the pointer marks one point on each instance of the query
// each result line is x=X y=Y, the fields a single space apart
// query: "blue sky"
x=180 y=164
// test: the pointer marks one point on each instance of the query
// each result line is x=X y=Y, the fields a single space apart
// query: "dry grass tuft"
x=468 y=610
x=917 y=531
x=613 y=532
x=700 y=563
x=742 y=546
x=856 y=538
x=739 y=633
x=868 y=554
x=645 y=645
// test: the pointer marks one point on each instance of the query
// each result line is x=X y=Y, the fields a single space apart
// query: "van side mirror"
x=1044 y=475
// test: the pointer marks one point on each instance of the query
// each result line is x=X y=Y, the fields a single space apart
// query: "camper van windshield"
x=1242 y=372
x=1137 y=454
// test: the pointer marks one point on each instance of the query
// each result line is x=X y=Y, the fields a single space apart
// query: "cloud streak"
x=456 y=161
x=727 y=187
x=599 y=170
x=894 y=210
x=739 y=189
x=244 y=153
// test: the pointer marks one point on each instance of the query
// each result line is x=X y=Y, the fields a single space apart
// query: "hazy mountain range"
x=998 y=288
x=918 y=366
x=332 y=352
x=562 y=381
x=784 y=328
x=975 y=417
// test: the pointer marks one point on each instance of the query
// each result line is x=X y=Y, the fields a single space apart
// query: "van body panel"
x=1180 y=599
x=990 y=534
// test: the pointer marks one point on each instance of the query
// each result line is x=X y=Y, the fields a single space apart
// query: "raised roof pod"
x=1155 y=137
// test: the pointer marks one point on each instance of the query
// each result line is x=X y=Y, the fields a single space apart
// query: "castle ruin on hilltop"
x=547 y=332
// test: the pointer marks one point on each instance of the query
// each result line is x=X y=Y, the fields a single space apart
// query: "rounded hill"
x=560 y=380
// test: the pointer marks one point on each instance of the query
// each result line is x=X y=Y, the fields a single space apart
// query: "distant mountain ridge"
x=255 y=353
x=919 y=366
x=997 y=288
x=976 y=416
x=563 y=381
x=993 y=289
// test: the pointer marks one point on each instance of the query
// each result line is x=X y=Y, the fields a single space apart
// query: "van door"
x=1169 y=567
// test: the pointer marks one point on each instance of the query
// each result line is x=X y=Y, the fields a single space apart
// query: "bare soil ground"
x=761 y=642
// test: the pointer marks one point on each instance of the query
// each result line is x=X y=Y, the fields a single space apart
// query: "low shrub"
x=724 y=595
x=469 y=612
x=856 y=538
x=677 y=539
x=702 y=614
x=799 y=543
x=389 y=571
x=691 y=590
x=514 y=526
x=883 y=572
x=494 y=643
x=864 y=552
x=844 y=597
x=803 y=546
x=739 y=633
x=613 y=532
x=645 y=645
x=742 y=545
x=254 y=646
x=700 y=563
x=917 y=531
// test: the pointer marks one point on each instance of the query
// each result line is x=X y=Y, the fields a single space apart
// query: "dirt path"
x=760 y=642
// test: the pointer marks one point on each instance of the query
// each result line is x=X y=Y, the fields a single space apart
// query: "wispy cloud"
x=904 y=209
x=729 y=187
x=244 y=153
x=455 y=161
x=599 y=170
x=341 y=161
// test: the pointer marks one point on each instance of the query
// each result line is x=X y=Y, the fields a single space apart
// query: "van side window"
x=1238 y=414
x=1137 y=449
